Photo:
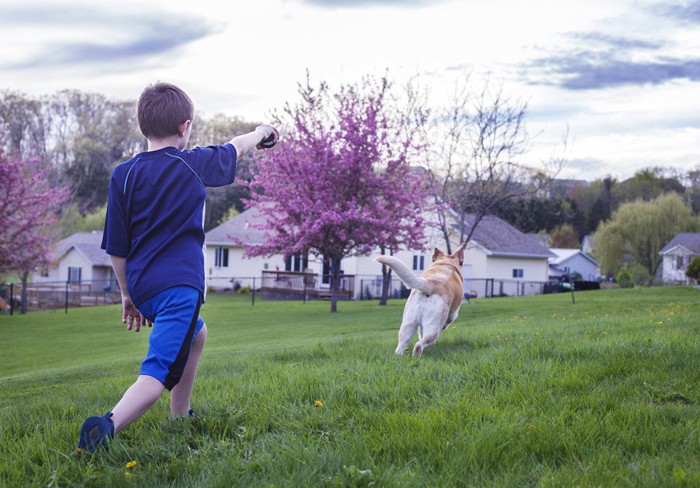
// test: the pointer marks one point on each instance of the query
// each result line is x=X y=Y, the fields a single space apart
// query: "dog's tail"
x=409 y=278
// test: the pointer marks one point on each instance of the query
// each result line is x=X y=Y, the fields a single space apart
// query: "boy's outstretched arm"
x=246 y=142
x=129 y=311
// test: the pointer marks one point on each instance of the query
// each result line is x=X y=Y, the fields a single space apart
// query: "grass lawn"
x=528 y=391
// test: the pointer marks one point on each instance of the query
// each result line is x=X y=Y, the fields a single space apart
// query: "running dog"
x=435 y=298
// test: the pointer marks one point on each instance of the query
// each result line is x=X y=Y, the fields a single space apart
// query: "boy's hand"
x=131 y=314
x=269 y=134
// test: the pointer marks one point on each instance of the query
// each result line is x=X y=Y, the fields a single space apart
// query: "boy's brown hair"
x=162 y=107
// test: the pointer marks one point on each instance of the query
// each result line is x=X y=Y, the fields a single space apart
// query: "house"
x=677 y=255
x=499 y=259
x=227 y=266
x=77 y=259
x=588 y=245
x=568 y=262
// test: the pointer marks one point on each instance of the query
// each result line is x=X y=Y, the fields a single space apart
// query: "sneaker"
x=95 y=432
x=190 y=413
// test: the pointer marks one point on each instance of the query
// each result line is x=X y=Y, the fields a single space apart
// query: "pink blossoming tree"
x=28 y=211
x=340 y=183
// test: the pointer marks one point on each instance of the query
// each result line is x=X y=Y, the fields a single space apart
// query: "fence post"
x=571 y=280
x=12 y=298
x=66 y=296
x=253 y=293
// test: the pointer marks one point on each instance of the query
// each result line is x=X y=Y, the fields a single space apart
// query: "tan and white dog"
x=435 y=298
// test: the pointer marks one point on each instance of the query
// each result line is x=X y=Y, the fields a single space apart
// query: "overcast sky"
x=623 y=76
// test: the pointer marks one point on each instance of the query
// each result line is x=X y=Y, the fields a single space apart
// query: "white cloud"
x=621 y=75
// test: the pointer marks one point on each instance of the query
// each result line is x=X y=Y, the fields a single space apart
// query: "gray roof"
x=499 y=238
x=562 y=255
x=87 y=243
x=689 y=240
x=240 y=230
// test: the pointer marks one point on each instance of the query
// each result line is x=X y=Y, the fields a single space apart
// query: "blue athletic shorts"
x=176 y=321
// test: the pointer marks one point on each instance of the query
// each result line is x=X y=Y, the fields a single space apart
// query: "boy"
x=155 y=239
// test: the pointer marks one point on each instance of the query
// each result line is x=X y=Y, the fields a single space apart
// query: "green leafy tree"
x=90 y=134
x=648 y=184
x=72 y=220
x=693 y=269
x=638 y=230
x=23 y=125
x=693 y=188
x=595 y=203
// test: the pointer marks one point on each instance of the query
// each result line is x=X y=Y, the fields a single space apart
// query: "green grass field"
x=529 y=391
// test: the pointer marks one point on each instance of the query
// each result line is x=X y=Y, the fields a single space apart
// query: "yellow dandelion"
x=318 y=403
x=79 y=450
x=131 y=464
x=128 y=474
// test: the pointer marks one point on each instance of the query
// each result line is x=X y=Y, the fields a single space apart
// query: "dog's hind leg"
x=426 y=340
x=406 y=332
x=451 y=318
x=432 y=325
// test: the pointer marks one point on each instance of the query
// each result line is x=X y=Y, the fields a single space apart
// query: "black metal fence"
x=57 y=294
x=271 y=285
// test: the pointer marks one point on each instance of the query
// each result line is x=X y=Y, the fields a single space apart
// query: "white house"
x=226 y=263
x=677 y=255
x=79 y=259
x=499 y=260
x=571 y=261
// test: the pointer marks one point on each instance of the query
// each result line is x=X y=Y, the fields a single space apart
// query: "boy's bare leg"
x=136 y=401
x=182 y=392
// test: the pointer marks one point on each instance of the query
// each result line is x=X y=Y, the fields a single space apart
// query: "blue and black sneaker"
x=95 y=432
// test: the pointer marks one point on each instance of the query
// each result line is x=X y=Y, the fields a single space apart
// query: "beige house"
x=501 y=260
x=79 y=259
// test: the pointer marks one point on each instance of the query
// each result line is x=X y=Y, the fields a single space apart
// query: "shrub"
x=693 y=269
x=640 y=275
x=624 y=278
x=243 y=289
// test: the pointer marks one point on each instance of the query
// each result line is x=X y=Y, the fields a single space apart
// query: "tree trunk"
x=23 y=306
x=386 y=283
x=335 y=282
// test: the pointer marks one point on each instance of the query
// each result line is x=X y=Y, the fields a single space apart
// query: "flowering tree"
x=28 y=208
x=339 y=183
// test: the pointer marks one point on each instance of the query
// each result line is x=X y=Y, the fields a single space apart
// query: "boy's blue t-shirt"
x=155 y=215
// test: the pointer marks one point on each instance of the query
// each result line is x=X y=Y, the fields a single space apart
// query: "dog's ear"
x=437 y=254
x=459 y=253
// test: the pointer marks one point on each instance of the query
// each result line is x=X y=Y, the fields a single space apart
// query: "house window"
x=679 y=262
x=74 y=274
x=221 y=257
x=517 y=273
x=296 y=262
x=418 y=263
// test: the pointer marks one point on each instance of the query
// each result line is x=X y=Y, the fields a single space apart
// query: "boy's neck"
x=156 y=144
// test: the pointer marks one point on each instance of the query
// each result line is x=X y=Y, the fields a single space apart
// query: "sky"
x=619 y=80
